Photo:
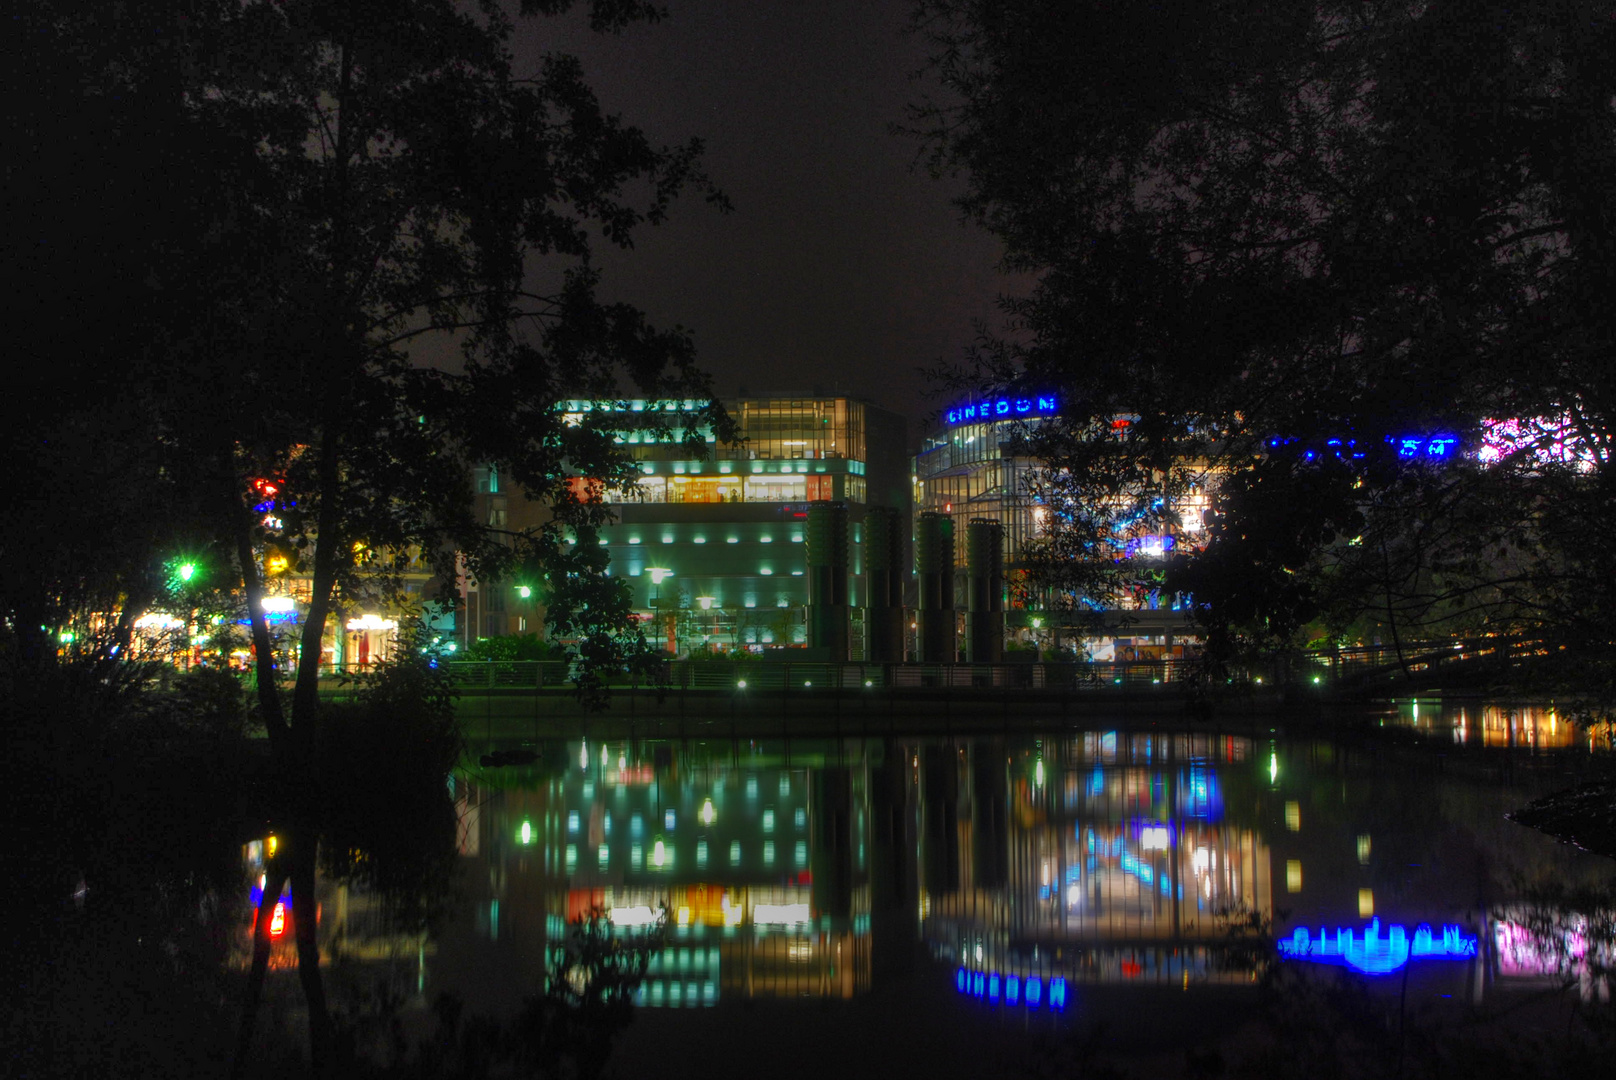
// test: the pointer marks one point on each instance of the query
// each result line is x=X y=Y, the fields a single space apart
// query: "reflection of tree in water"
x=134 y=803
x=377 y=813
x=125 y=804
x=387 y=832
x=566 y=1030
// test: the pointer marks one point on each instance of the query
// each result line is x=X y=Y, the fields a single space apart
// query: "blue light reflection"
x=1373 y=954
x=1017 y=989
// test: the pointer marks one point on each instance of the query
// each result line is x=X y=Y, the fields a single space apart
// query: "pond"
x=986 y=904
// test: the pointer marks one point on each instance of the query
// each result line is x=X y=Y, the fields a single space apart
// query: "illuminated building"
x=969 y=479
x=969 y=476
x=497 y=609
x=716 y=550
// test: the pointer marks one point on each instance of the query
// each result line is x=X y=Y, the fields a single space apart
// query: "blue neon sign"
x=1005 y=408
x=1440 y=446
x=1011 y=989
x=1373 y=954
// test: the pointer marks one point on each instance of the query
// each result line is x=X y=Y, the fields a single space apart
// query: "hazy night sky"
x=842 y=267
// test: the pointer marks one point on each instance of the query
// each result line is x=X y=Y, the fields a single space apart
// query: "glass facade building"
x=715 y=548
x=970 y=471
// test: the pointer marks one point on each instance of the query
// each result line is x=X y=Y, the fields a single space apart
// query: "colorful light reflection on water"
x=1370 y=952
x=1010 y=988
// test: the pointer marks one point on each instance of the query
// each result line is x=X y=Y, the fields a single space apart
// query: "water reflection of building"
x=1098 y=857
x=1536 y=727
x=771 y=870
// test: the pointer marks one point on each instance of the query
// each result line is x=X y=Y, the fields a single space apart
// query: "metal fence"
x=716 y=675
x=1362 y=666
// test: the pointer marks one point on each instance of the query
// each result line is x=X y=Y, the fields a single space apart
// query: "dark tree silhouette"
x=351 y=261
x=1349 y=221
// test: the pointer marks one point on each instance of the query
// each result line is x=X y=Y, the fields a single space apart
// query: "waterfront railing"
x=723 y=675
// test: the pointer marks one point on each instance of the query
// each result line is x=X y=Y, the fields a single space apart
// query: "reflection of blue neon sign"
x=1011 y=989
x=1375 y=955
x=1005 y=408
x=1200 y=795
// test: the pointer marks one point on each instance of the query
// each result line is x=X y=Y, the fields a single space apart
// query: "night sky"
x=844 y=267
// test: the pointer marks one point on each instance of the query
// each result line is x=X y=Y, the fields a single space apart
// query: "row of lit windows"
x=683 y=959
x=810 y=428
x=737 y=489
x=688 y=467
x=670 y=820
x=624 y=772
x=969 y=444
x=656 y=993
x=668 y=534
x=662 y=855
x=659 y=574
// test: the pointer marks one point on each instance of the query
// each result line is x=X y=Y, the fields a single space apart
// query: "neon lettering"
x=1038 y=405
x=1441 y=446
x=1374 y=954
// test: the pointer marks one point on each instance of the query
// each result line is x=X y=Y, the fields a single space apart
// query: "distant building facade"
x=724 y=553
x=720 y=552
x=976 y=511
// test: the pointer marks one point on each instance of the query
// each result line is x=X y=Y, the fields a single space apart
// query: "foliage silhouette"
x=1316 y=222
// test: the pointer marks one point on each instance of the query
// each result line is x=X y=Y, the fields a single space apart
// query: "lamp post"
x=705 y=603
x=658 y=573
x=525 y=592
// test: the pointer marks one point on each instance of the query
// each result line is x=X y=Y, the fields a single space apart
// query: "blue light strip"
x=1375 y=955
x=1440 y=446
x=995 y=987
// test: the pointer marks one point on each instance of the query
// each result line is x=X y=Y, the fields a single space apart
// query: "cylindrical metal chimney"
x=827 y=578
x=984 y=554
x=884 y=573
x=934 y=568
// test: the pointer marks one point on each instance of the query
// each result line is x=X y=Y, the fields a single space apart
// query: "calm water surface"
x=879 y=905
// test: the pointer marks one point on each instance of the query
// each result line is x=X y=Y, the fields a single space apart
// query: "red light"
x=277 y=921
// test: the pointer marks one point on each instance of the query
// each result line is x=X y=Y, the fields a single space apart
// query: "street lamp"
x=657 y=574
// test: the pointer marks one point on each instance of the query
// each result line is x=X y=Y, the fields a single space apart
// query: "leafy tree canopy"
x=1349 y=221
x=348 y=250
x=294 y=269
